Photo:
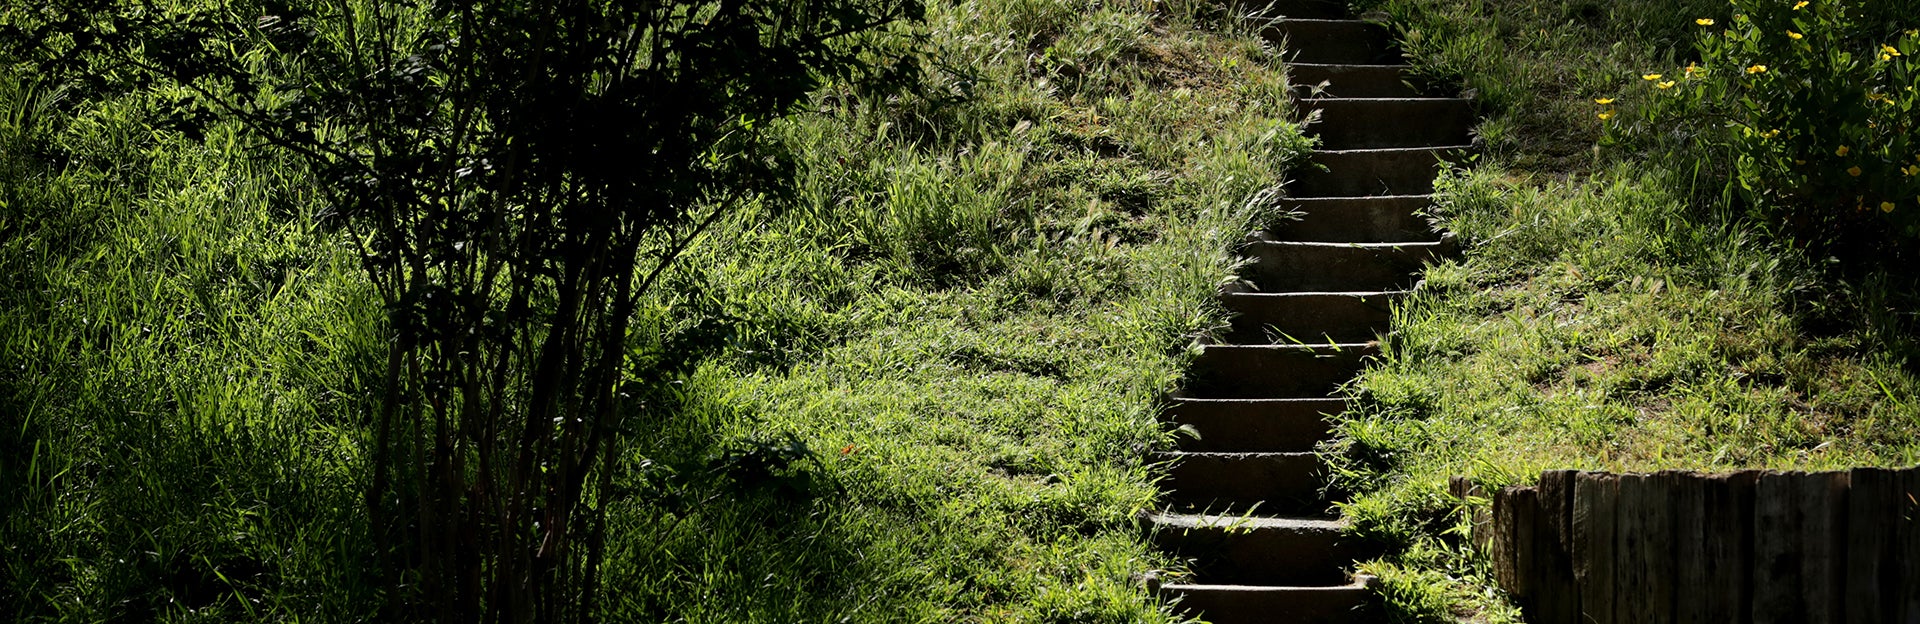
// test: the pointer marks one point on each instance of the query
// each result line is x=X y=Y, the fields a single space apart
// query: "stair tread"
x=1237 y=454
x=1355 y=586
x=1342 y=293
x=1388 y=150
x=1333 y=348
x=1371 y=100
x=1249 y=523
x=1398 y=66
x=1354 y=244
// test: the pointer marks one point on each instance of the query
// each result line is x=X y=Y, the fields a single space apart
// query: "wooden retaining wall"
x=1748 y=547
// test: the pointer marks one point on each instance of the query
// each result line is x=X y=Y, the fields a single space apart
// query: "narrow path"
x=1246 y=504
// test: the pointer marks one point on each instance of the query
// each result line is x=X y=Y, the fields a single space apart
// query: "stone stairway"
x=1246 y=501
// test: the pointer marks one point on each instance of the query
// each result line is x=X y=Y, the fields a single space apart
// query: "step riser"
x=1237 y=483
x=1358 y=220
x=1235 y=372
x=1293 y=9
x=1263 y=557
x=1300 y=268
x=1332 y=605
x=1254 y=426
x=1351 y=81
x=1363 y=173
x=1374 y=124
x=1268 y=319
x=1334 y=42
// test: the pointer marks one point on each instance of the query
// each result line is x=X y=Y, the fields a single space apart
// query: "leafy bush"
x=1809 y=104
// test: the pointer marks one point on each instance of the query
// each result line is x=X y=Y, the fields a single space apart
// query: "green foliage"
x=1535 y=65
x=1811 y=104
x=924 y=389
x=1618 y=307
x=515 y=177
x=1605 y=324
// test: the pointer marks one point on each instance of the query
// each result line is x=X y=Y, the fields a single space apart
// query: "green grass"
x=1608 y=313
x=944 y=357
x=936 y=403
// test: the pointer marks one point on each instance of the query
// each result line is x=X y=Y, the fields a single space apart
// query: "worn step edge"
x=1359 y=123
x=1258 y=549
x=1232 y=523
x=1272 y=483
x=1278 y=318
x=1296 y=266
x=1276 y=371
x=1251 y=425
x=1333 y=41
x=1290 y=9
x=1376 y=219
x=1340 y=81
x=1374 y=172
x=1248 y=604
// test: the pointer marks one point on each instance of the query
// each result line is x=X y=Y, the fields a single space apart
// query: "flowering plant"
x=1813 y=101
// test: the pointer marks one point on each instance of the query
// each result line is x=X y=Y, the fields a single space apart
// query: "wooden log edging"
x=1745 y=548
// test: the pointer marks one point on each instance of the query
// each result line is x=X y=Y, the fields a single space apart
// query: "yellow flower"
x=1703 y=22
x=1886 y=206
x=1794 y=35
x=1842 y=151
x=1603 y=101
x=1889 y=50
x=1692 y=67
x=1770 y=134
x=1651 y=77
x=1800 y=5
x=1912 y=171
x=1757 y=69
x=1666 y=84
x=1853 y=171
x=1605 y=115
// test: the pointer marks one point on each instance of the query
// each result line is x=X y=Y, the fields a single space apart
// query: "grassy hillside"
x=934 y=402
x=1612 y=310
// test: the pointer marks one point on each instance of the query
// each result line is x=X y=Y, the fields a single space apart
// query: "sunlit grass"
x=1607 y=314
x=936 y=400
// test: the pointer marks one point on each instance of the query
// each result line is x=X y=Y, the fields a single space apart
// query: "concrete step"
x=1254 y=425
x=1371 y=123
x=1390 y=171
x=1283 y=318
x=1352 y=81
x=1259 y=550
x=1266 y=483
x=1281 y=266
x=1290 y=9
x=1249 y=604
x=1275 y=371
x=1333 y=41
x=1389 y=219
